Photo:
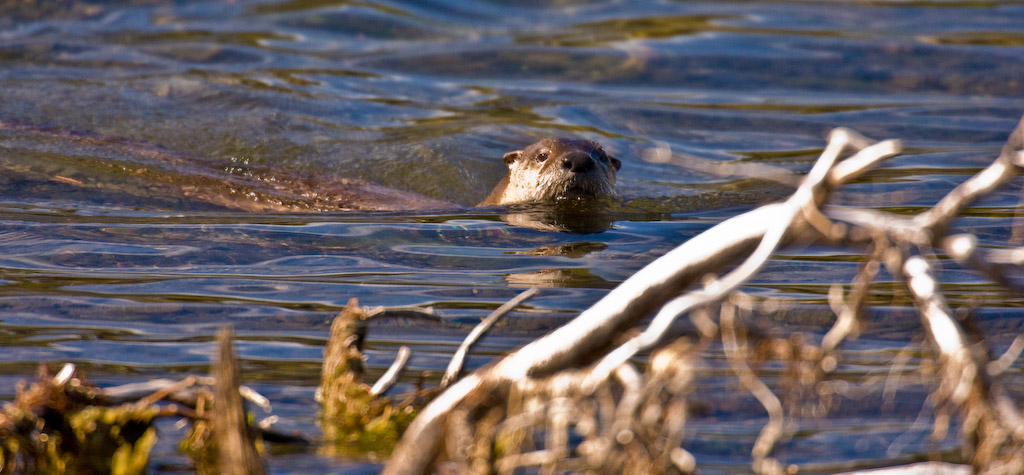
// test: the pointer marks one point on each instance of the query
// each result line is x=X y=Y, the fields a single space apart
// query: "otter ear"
x=615 y=162
x=511 y=157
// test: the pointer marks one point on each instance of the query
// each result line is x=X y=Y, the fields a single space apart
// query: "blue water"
x=124 y=123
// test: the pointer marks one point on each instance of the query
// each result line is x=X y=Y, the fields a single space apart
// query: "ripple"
x=128 y=128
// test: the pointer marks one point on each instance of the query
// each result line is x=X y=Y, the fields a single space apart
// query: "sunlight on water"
x=169 y=168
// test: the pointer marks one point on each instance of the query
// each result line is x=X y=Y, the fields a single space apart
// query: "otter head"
x=556 y=169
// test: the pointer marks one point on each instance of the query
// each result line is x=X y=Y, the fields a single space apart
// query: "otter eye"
x=542 y=156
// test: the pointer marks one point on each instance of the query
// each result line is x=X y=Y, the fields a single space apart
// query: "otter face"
x=557 y=169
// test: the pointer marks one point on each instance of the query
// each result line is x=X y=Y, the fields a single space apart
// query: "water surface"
x=123 y=122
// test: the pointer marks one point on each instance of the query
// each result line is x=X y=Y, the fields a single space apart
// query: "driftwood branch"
x=185 y=391
x=236 y=452
x=735 y=250
x=455 y=366
x=391 y=375
x=644 y=292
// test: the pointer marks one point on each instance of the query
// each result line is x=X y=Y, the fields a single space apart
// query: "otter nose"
x=577 y=162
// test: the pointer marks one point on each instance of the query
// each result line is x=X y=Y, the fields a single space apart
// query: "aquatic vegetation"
x=58 y=425
x=63 y=424
x=356 y=420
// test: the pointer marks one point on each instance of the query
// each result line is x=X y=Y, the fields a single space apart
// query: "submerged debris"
x=355 y=420
x=63 y=424
x=224 y=440
x=60 y=425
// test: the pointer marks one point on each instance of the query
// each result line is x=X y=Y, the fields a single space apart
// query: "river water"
x=134 y=134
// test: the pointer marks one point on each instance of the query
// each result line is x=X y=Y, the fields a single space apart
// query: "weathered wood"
x=236 y=452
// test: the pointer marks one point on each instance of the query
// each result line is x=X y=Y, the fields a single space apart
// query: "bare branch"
x=783 y=219
x=735 y=350
x=848 y=316
x=964 y=249
x=549 y=365
x=963 y=375
x=764 y=229
x=1013 y=256
x=938 y=320
x=64 y=375
x=391 y=375
x=1006 y=166
x=864 y=160
x=663 y=154
x=406 y=310
x=455 y=366
x=999 y=366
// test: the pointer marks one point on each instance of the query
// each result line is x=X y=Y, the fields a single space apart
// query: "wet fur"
x=274 y=190
x=532 y=180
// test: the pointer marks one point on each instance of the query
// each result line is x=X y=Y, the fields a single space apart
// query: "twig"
x=167 y=391
x=663 y=154
x=896 y=367
x=1004 y=362
x=1013 y=256
x=772 y=431
x=964 y=249
x=64 y=375
x=136 y=391
x=929 y=227
x=404 y=310
x=962 y=373
x=939 y=321
x=250 y=394
x=632 y=395
x=1006 y=166
x=848 y=316
x=177 y=391
x=455 y=366
x=864 y=160
x=391 y=375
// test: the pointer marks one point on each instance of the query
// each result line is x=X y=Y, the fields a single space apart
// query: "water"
x=128 y=126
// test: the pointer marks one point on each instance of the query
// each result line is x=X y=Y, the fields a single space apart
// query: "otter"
x=561 y=170
x=556 y=169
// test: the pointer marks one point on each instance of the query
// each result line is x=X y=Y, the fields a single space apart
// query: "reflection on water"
x=134 y=132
